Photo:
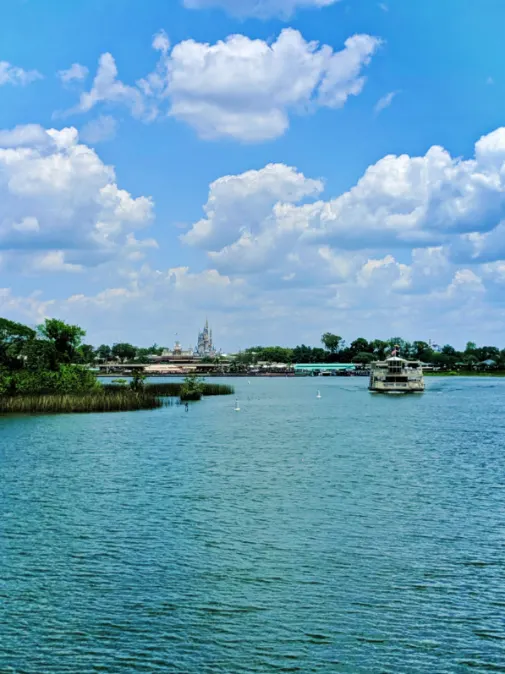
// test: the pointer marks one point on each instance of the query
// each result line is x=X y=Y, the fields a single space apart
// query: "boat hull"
x=395 y=391
x=398 y=390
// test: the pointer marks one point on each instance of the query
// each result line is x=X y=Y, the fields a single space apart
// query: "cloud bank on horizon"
x=284 y=242
x=264 y=231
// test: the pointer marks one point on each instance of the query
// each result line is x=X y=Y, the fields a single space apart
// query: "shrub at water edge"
x=192 y=388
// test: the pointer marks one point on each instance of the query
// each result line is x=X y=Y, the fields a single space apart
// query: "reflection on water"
x=355 y=533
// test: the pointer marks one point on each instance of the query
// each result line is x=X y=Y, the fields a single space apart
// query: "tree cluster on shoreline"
x=54 y=359
x=46 y=360
x=335 y=350
x=47 y=370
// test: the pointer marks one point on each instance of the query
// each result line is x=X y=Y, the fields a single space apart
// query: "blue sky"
x=265 y=164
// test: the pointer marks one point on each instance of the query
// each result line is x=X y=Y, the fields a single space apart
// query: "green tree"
x=276 y=354
x=124 y=351
x=302 y=354
x=104 y=352
x=363 y=357
x=422 y=351
x=488 y=353
x=138 y=381
x=66 y=338
x=13 y=338
x=87 y=354
x=331 y=342
x=360 y=345
x=39 y=354
x=192 y=388
x=318 y=355
x=379 y=348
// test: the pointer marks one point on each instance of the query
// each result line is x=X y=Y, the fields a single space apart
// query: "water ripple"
x=353 y=534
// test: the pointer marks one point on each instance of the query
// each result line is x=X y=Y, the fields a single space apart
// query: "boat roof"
x=395 y=359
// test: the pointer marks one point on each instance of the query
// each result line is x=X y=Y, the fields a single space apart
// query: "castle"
x=205 y=346
x=205 y=349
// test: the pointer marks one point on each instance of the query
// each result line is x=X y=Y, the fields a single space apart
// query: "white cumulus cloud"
x=408 y=225
x=237 y=88
x=107 y=88
x=57 y=196
x=10 y=74
x=239 y=204
x=76 y=73
x=246 y=89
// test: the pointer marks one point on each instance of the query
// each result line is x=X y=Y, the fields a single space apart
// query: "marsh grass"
x=173 y=389
x=190 y=396
x=102 y=401
x=109 y=398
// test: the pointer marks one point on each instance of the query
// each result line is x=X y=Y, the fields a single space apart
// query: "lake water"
x=355 y=533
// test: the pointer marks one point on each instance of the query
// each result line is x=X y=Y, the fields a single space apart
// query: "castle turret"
x=205 y=345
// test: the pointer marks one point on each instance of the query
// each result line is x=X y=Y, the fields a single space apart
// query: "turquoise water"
x=356 y=533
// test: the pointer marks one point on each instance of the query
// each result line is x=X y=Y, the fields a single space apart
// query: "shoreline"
x=292 y=376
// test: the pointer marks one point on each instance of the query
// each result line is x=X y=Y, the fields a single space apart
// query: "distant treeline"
x=51 y=357
x=335 y=350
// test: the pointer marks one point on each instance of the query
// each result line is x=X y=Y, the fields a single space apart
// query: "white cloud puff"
x=107 y=88
x=246 y=89
x=407 y=224
x=237 y=88
x=239 y=204
x=57 y=195
x=16 y=76
x=76 y=73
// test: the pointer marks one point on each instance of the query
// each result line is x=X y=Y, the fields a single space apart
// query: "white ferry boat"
x=396 y=375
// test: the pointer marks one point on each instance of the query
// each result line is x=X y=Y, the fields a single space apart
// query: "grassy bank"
x=173 y=389
x=109 y=398
x=101 y=401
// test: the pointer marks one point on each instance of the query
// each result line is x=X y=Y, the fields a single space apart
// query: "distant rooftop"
x=325 y=366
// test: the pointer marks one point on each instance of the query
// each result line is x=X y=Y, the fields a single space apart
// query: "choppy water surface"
x=355 y=533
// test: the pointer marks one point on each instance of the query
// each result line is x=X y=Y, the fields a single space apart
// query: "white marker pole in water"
x=318 y=394
x=237 y=406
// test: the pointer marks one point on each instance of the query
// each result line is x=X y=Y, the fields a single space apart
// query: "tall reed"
x=101 y=401
x=173 y=389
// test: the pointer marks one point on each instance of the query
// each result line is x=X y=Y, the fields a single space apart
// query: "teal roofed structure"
x=328 y=367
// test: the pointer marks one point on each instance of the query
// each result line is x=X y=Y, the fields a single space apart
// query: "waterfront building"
x=177 y=353
x=184 y=361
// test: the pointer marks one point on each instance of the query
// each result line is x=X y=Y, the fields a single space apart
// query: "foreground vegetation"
x=174 y=389
x=102 y=401
x=42 y=371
